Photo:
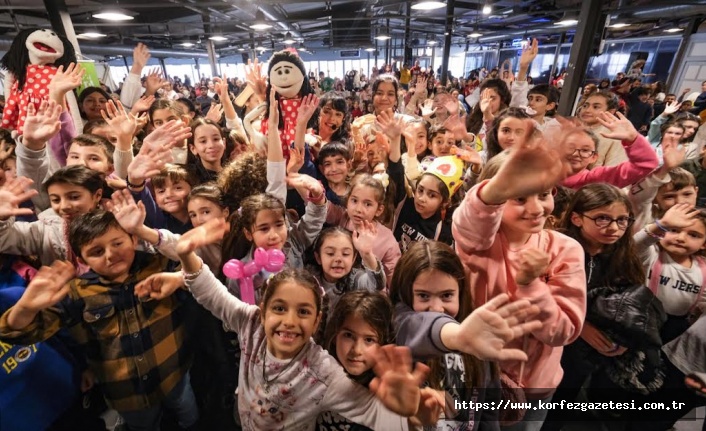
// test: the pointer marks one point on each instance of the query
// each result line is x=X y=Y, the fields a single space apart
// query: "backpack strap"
x=702 y=265
x=655 y=272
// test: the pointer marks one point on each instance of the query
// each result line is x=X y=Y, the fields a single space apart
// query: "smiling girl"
x=206 y=150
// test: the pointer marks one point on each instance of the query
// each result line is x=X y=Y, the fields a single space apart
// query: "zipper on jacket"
x=591 y=265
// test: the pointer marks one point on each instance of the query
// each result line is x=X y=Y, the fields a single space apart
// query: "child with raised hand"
x=286 y=379
x=663 y=188
x=164 y=111
x=500 y=238
x=641 y=158
x=429 y=279
x=336 y=251
x=73 y=191
x=610 y=152
x=123 y=126
x=655 y=133
x=507 y=129
x=363 y=324
x=63 y=82
x=366 y=203
x=136 y=349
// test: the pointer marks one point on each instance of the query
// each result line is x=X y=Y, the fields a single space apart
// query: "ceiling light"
x=261 y=48
x=432 y=42
x=487 y=9
x=90 y=35
x=383 y=37
x=218 y=38
x=113 y=15
x=428 y=5
x=475 y=34
x=288 y=39
x=302 y=47
x=673 y=30
x=260 y=23
x=370 y=49
x=241 y=49
x=619 y=25
x=568 y=19
x=187 y=44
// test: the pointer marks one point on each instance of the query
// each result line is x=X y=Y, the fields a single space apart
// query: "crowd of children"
x=382 y=269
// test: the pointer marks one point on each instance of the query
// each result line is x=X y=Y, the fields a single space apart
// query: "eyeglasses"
x=605 y=221
x=584 y=153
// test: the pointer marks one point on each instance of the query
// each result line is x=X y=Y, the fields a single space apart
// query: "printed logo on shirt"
x=679 y=284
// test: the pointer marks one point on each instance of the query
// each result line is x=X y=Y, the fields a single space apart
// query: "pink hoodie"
x=560 y=293
x=642 y=160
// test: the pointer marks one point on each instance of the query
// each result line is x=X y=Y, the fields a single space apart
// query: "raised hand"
x=154 y=81
x=507 y=67
x=672 y=155
x=296 y=160
x=119 y=121
x=166 y=136
x=306 y=185
x=529 y=53
x=215 y=113
x=390 y=124
x=254 y=78
x=273 y=115
x=308 y=106
x=532 y=263
x=486 y=97
x=220 y=86
x=12 y=194
x=457 y=125
x=670 y=108
x=427 y=108
x=618 y=125
x=130 y=215
x=142 y=104
x=396 y=385
x=49 y=286
x=140 y=56
x=679 y=216
x=490 y=327
x=207 y=233
x=421 y=87
x=159 y=286
x=65 y=80
x=532 y=167
x=148 y=162
x=42 y=124
x=364 y=237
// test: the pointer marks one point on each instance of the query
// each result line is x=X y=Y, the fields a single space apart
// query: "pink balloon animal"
x=270 y=260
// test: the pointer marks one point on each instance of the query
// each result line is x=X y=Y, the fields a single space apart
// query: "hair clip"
x=384 y=178
x=270 y=260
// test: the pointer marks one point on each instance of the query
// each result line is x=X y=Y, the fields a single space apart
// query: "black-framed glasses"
x=584 y=153
x=605 y=221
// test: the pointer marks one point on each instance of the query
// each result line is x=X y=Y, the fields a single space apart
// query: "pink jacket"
x=642 y=160
x=560 y=293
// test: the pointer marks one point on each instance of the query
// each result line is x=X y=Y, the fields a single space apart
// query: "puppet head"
x=37 y=46
x=287 y=73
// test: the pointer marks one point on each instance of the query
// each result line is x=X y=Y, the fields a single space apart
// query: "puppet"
x=287 y=74
x=31 y=63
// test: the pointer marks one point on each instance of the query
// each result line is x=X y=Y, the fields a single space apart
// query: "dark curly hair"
x=245 y=176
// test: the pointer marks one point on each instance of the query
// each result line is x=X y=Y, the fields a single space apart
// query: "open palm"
x=119 y=121
x=40 y=125
x=49 y=286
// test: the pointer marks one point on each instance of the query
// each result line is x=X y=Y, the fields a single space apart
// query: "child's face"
x=111 y=254
x=672 y=135
x=441 y=144
x=437 y=291
x=335 y=169
x=171 y=197
x=427 y=196
x=511 y=131
x=612 y=231
x=363 y=205
x=269 y=230
x=92 y=157
x=584 y=151
x=420 y=133
x=69 y=200
x=385 y=97
x=356 y=345
x=336 y=257
x=686 y=241
x=690 y=127
x=9 y=166
x=330 y=120
x=589 y=111
x=162 y=116
x=202 y=210
x=527 y=215
x=92 y=106
x=540 y=104
x=208 y=144
x=289 y=319
x=667 y=197
x=685 y=106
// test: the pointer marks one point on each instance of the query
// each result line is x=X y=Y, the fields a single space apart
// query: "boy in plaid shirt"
x=136 y=349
